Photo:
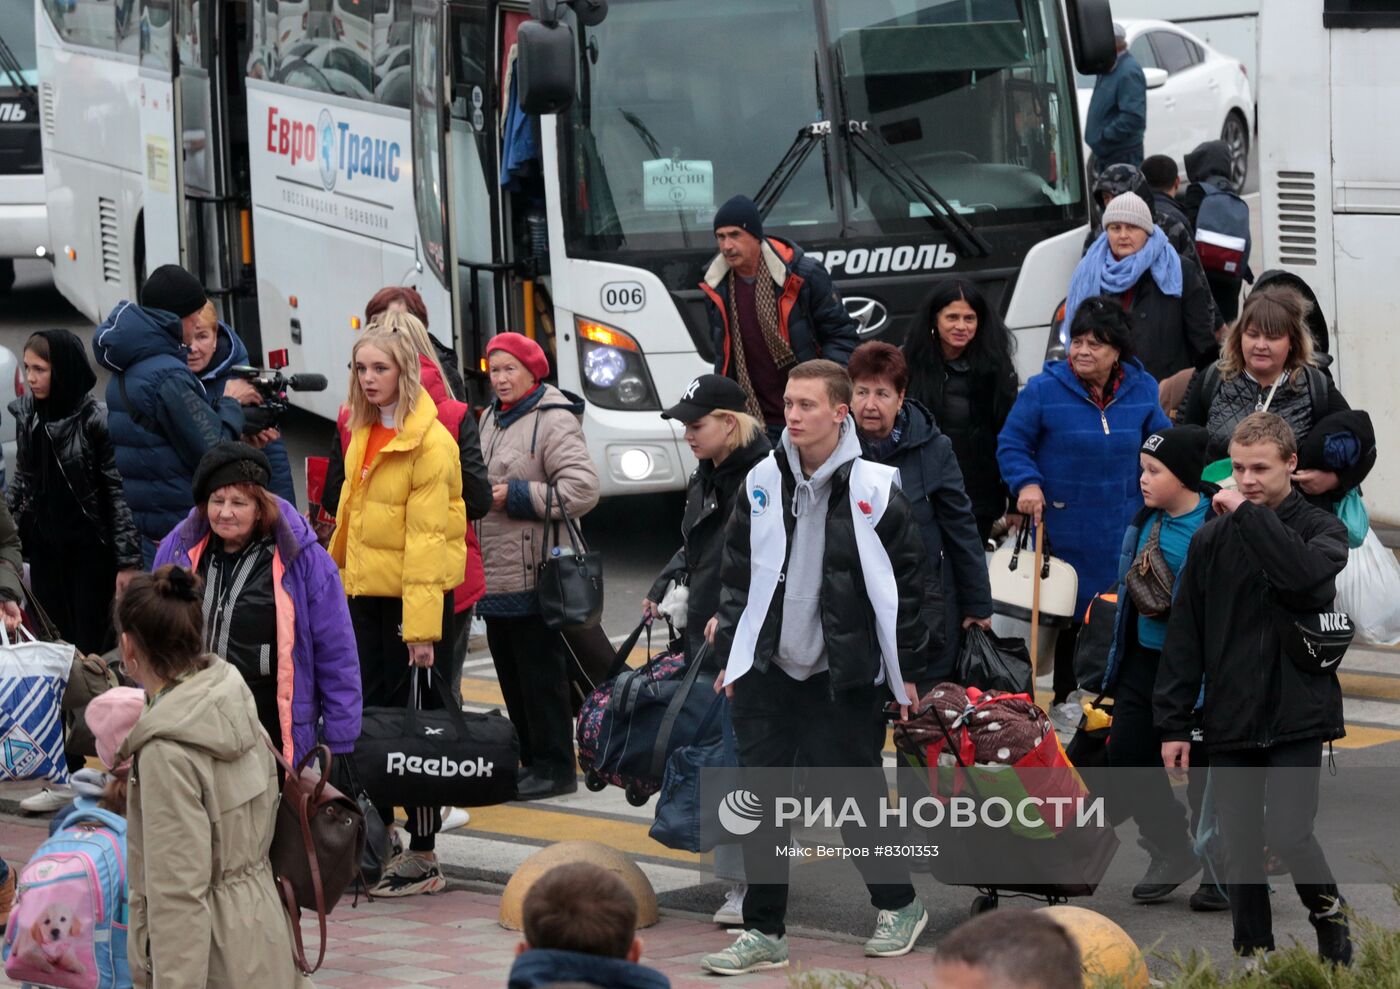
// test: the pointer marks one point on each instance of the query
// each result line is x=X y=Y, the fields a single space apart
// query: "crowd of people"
x=833 y=547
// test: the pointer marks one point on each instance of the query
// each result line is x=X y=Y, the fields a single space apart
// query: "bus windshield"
x=17 y=30
x=681 y=105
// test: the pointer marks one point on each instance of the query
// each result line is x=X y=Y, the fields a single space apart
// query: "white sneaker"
x=1066 y=717
x=454 y=818
x=731 y=914
x=47 y=800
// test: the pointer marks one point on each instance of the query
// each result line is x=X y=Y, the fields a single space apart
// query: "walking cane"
x=1035 y=596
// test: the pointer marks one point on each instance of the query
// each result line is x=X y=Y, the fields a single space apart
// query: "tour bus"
x=328 y=147
x=1330 y=200
x=24 y=229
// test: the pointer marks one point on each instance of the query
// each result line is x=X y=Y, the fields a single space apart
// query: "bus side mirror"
x=1091 y=35
x=544 y=67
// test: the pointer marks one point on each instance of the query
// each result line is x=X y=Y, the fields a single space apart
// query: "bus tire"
x=7 y=275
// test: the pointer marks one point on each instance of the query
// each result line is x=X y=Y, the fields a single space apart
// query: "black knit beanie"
x=742 y=213
x=173 y=289
x=230 y=462
x=1182 y=450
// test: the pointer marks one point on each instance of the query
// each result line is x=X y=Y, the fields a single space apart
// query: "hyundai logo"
x=870 y=316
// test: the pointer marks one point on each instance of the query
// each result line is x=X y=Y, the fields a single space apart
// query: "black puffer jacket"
x=1172 y=333
x=848 y=620
x=971 y=408
x=1223 y=628
x=87 y=459
x=956 y=582
x=1220 y=403
x=709 y=498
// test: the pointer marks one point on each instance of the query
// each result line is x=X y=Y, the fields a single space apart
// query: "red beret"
x=523 y=349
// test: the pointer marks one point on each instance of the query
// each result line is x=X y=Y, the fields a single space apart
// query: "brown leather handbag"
x=1150 y=578
x=317 y=842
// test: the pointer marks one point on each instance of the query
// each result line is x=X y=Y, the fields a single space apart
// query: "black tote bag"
x=445 y=757
x=569 y=580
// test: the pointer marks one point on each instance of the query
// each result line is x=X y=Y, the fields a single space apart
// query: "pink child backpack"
x=68 y=928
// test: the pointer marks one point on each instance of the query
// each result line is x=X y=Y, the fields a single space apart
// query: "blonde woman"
x=728 y=443
x=400 y=543
x=1266 y=363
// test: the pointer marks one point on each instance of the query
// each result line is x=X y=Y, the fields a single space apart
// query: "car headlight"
x=615 y=374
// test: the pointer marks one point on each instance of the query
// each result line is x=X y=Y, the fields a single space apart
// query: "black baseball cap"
x=708 y=393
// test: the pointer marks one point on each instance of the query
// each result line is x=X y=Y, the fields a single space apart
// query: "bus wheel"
x=7 y=275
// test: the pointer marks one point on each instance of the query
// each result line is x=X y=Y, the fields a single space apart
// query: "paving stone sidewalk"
x=453 y=939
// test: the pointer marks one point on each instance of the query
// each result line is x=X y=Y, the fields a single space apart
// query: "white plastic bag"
x=1368 y=589
x=33 y=677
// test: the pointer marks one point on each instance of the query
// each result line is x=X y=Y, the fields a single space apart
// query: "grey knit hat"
x=1128 y=208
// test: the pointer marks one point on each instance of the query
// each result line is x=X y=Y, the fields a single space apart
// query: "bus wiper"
x=797 y=153
x=916 y=188
x=15 y=71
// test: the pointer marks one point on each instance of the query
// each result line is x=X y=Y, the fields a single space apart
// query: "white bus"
x=24 y=228
x=1328 y=170
x=326 y=148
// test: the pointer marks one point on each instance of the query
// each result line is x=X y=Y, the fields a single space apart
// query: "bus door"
x=194 y=119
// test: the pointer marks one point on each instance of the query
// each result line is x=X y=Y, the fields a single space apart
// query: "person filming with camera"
x=160 y=415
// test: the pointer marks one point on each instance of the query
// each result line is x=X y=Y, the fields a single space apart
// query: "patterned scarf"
x=766 y=304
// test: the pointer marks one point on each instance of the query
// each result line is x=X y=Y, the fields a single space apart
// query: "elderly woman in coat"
x=1069 y=453
x=201 y=801
x=1172 y=318
x=274 y=605
x=532 y=440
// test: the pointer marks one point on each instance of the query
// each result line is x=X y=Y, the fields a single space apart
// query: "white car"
x=1194 y=94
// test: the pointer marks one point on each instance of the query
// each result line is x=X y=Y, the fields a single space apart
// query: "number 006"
x=623 y=297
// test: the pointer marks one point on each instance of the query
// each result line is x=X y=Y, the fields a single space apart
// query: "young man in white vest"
x=818 y=628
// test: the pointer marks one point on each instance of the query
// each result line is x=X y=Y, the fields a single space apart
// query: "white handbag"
x=1012 y=572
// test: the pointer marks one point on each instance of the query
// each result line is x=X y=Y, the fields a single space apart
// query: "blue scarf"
x=1100 y=274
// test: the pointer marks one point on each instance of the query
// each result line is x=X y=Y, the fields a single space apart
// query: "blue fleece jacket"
x=170 y=422
x=543 y=967
x=1086 y=463
x=1117 y=117
x=229 y=353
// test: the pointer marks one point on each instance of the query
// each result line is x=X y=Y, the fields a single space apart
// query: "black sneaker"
x=1165 y=875
x=1333 y=934
x=1208 y=898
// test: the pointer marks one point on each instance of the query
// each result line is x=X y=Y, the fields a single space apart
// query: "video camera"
x=273 y=385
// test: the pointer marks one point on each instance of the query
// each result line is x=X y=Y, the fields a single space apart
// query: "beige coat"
x=528 y=452
x=200 y=810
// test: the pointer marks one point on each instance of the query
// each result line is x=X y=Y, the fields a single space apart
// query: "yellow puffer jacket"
x=401 y=531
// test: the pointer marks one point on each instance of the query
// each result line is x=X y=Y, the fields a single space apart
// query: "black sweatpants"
x=1133 y=742
x=1257 y=810
x=384 y=681
x=75 y=583
x=775 y=716
x=532 y=667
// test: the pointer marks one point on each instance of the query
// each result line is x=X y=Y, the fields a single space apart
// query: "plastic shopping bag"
x=33 y=677
x=989 y=662
x=1368 y=589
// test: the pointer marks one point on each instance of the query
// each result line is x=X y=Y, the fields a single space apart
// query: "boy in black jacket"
x=819 y=625
x=1269 y=553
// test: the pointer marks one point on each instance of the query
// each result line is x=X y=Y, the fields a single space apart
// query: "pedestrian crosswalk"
x=499 y=838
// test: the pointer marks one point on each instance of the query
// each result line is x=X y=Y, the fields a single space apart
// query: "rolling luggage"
x=970 y=742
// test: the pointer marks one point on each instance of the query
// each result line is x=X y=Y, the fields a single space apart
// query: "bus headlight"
x=615 y=374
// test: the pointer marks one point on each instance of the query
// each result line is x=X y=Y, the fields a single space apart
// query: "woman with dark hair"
x=201 y=802
x=66 y=494
x=1069 y=451
x=961 y=370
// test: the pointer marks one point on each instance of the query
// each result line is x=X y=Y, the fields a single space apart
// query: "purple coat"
x=316 y=642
